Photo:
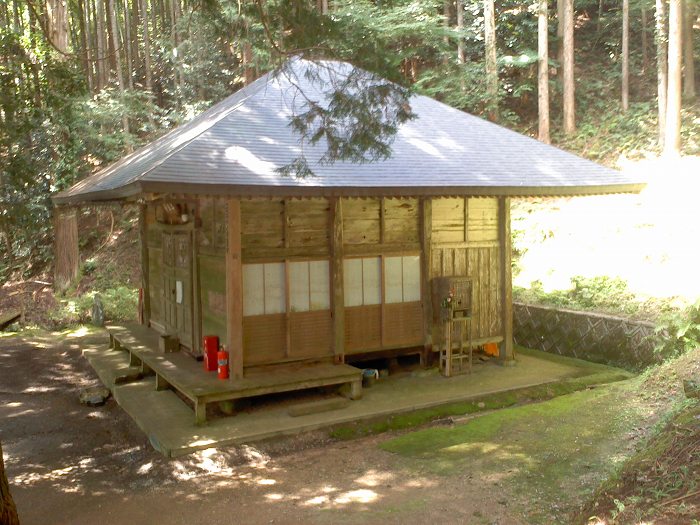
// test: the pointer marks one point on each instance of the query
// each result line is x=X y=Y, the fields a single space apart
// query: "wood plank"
x=361 y=221
x=363 y=328
x=377 y=249
x=234 y=290
x=448 y=219
x=264 y=339
x=271 y=254
x=482 y=223
x=426 y=223
x=336 y=268
x=506 y=278
x=143 y=238
x=197 y=297
x=402 y=324
x=402 y=220
x=311 y=334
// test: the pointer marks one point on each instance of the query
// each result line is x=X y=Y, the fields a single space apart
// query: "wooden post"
x=234 y=289
x=504 y=239
x=66 y=255
x=338 y=297
x=143 y=235
x=426 y=224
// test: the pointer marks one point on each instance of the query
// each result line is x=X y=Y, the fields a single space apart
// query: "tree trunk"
x=568 y=68
x=672 y=143
x=135 y=54
x=543 y=71
x=645 y=44
x=66 y=256
x=661 y=67
x=560 y=31
x=111 y=37
x=146 y=47
x=102 y=76
x=8 y=510
x=58 y=26
x=84 y=43
x=491 y=60
x=460 y=28
x=446 y=24
x=118 y=59
x=625 y=54
x=128 y=47
x=688 y=49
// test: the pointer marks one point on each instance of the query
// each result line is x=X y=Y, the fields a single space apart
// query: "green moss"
x=545 y=451
x=416 y=418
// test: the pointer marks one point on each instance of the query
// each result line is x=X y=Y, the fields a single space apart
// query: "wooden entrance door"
x=177 y=284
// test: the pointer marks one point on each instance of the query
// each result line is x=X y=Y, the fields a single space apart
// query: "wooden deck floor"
x=181 y=372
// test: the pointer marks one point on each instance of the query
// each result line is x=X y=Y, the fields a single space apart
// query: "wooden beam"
x=143 y=235
x=426 y=224
x=234 y=289
x=196 y=284
x=336 y=268
x=506 y=352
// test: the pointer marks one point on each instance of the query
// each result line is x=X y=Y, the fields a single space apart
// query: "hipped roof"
x=237 y=146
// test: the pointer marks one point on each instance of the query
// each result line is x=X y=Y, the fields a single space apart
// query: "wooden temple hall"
x=299 y=277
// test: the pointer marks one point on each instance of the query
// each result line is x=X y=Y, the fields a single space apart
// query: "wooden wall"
x=462 y=236
x=465 y=241
x=376 y=229
x=278 y=233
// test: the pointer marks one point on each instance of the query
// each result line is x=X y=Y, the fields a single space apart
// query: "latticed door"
x=177 y=284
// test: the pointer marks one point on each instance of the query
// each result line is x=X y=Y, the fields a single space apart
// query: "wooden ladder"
x=453 y=358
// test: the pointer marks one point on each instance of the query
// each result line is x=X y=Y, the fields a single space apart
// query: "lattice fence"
x=591 y=336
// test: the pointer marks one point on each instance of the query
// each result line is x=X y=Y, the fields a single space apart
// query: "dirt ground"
x=68 y=463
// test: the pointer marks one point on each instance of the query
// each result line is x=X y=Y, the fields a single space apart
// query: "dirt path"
x=71 y=464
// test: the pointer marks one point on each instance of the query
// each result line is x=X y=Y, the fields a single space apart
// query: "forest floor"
x=535 y=463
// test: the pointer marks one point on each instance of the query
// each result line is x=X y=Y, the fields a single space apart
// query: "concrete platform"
x=168 y=423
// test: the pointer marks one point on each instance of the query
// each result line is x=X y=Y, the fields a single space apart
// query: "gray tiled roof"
x=236 y=146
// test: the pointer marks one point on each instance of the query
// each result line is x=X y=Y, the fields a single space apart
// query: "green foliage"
x=596 y=293
x=120 y=303
x=679 y=332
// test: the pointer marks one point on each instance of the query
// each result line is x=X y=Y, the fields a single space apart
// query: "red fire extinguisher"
x=222 y=358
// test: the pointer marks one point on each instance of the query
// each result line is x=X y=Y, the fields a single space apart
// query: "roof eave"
x=138 y=187
x=117 y=194
x=389 y=191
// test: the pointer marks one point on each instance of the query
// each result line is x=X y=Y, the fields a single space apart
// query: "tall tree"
x=672 y=142
x=688 y=49
x=645 y=45
x=625 y=54
x=569 y=104
x=148 y=79
x=661 y=67
x=543 y=72
x=459 y=5
x=491 y=58
x=58 y=26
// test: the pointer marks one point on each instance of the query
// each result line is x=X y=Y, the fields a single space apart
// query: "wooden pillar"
x=504 y=238
x=426 y=224
x=338 y=295
x=66 y=255
x=143 y=237
x=234 y=289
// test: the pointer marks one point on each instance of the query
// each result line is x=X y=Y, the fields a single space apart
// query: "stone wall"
x=585 y=335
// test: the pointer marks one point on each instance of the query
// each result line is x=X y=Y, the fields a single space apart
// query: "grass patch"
x=546 y=452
